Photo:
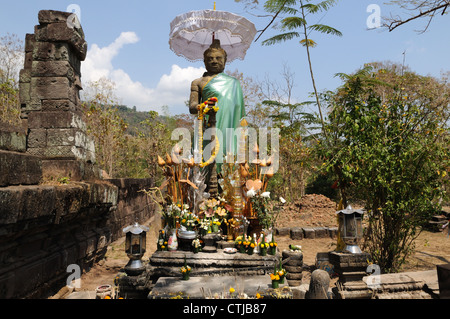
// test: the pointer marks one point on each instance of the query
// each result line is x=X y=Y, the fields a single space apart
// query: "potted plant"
x=196 y=246
x=162 y=241
x=185 y=270
x=272 y=250
x=251 y=246
x=263 y=246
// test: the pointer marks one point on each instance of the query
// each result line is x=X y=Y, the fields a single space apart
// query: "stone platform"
x=168 y=263
x=208 y=287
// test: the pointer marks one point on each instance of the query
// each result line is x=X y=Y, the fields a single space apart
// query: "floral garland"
x=203 y=109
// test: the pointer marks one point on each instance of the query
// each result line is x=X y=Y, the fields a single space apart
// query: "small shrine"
x=214 y=198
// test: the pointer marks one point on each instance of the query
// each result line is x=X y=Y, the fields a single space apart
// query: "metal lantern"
x=135 y=243
x=350 y=228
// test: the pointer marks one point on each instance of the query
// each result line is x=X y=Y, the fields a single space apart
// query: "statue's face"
x=215 y=62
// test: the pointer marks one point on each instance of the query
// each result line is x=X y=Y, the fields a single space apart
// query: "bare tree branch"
x=431 y=9
x=270 y=23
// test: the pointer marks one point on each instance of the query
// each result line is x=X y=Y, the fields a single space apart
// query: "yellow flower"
x=231 y=290
x=271 y=244
x=252 y=245
x=267 y=245
x=258 y=296
x=262 y=245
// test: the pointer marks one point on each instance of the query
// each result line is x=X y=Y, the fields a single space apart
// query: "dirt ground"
x=431 y=248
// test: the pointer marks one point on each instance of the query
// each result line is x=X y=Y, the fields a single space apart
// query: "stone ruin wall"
x=50 y=85
x=45 y=227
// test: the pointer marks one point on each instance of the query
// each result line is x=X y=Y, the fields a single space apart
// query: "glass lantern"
x=350 y=228
x=135 y=243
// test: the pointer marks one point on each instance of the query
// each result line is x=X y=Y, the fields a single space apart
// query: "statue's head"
x=215 y=58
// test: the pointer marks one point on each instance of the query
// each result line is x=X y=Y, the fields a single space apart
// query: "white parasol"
x=192 y=33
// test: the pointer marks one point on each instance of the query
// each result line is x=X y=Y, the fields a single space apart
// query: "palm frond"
x=291 y=23
x=281 y=38
x=322 y=6
x=325 y=29
x=274 y=6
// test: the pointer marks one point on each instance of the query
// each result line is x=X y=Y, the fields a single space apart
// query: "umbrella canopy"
x=192 y=33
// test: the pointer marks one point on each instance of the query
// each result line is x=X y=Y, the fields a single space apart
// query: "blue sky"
x=128 y=42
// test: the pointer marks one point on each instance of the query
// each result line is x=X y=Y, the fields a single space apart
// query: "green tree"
x=9 y=104
x=295 y=26
x=104 y=124
x=390 y=145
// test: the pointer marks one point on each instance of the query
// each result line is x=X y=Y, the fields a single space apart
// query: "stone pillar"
x=50 y=83
x=351 y=269
x=319 y=284
x=293 y=263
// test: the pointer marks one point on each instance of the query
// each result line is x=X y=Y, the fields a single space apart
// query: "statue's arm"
x=194 y=99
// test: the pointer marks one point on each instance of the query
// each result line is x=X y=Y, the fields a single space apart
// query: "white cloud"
x=172 y=89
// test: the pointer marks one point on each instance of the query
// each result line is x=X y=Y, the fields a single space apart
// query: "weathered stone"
x=51 y=16
x=37 y=138
x=28 y=107
x=24 y=92
x=30 y=41
x=12 y=141
x=320 y=232
x=293 y=269
x=309 y=233
x=59 y=152
x=55 y=32
x=292 y=258
x=65 y=137
x=318 y=286
x=332 y=231
x=294 y=275
x=47 y=51
x=53 y=88
x=10 y=205
x=18 y=168
x=58 y=105
x=28 y=61
x=283 y=231
x=37 y=201
x=296 y=233
x=52 y=69
x=50 y=120
x=219 y=259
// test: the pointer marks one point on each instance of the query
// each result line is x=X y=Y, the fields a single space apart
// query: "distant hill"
x=133 y=118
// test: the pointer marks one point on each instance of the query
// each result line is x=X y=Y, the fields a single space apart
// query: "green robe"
x=228 y=92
